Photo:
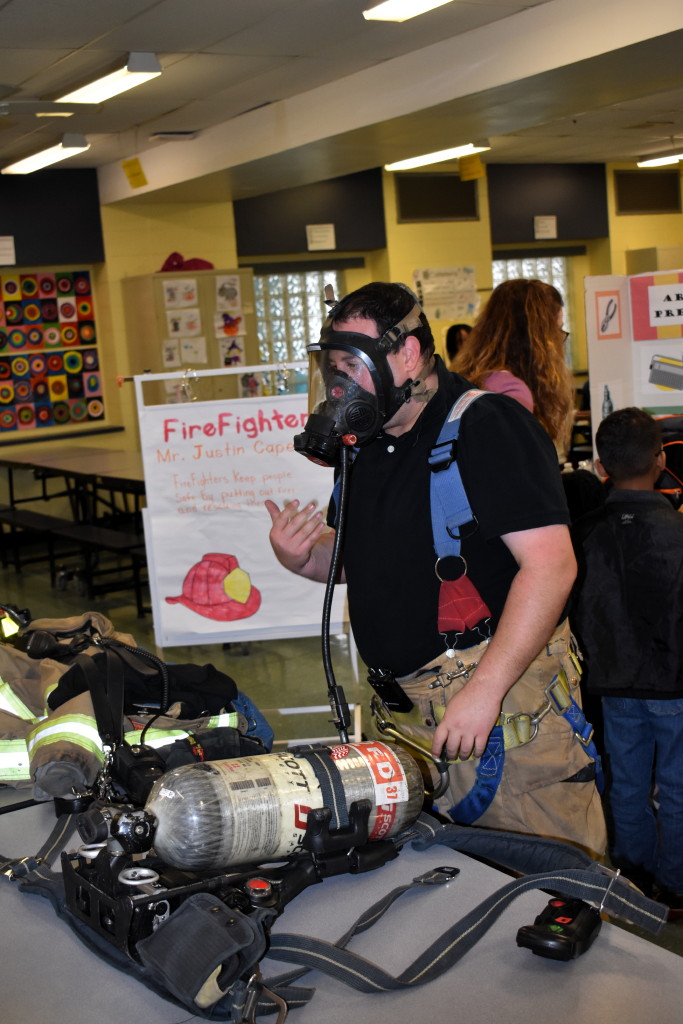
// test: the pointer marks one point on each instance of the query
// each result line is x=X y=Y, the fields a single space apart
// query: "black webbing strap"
x=106 y=693
x=565 y=869
x=331 y=785
x=38 y=865
x=364 y=975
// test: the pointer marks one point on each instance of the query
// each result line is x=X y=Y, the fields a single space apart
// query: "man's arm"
x=301 y=540
x=547 y=569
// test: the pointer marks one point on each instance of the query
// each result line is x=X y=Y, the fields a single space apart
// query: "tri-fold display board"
x=634 y=329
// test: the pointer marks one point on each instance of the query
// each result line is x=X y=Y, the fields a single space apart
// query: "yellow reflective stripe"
x=156 y=737
x=80 y=730
x=159 y=737
x=10 y=702
x=14 y=766
x=228 y=720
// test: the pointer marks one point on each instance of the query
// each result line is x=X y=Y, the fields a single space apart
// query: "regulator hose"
x=335 y=693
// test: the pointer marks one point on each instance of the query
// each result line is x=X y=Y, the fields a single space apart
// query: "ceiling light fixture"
x=660 y=161
x=139 y=68
x=401 y=10
x=72 y=143
x=443 y=154
x=43 y=108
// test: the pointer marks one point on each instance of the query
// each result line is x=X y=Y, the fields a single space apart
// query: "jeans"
x=644 y=744
x=258 y=726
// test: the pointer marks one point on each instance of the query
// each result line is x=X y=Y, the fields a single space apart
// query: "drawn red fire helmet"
x=218 y=589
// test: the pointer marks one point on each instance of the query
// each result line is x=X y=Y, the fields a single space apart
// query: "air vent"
x=173 y=136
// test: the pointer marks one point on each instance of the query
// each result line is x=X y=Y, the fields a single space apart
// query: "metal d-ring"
x=441 y=559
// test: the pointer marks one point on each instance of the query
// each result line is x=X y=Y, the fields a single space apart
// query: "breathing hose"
x=335 y=693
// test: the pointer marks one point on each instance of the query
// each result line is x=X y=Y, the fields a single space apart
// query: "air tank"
x=216 y=814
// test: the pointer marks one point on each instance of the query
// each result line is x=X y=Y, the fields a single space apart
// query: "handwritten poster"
x=209 y=467
x=447 y=293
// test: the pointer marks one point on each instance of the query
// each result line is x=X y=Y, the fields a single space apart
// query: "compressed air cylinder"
x=217 y=814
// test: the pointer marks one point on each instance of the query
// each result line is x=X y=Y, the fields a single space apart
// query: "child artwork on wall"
x=228 y=292
x=170 y=355
x=193 y=350
x=49 y=362
x=231 y=351
x=180 y=293
x=183 y=323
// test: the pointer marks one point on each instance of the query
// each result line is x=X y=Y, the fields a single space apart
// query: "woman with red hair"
x=517 y=348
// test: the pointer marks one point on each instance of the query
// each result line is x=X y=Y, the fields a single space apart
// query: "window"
x=435 y=197
x=551 y=269
x=290 y=311
x=648 y=192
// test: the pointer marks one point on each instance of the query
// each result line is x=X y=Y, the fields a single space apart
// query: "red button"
x=259 y=885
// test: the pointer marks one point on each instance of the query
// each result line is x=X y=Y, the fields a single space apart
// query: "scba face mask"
x=351 y=389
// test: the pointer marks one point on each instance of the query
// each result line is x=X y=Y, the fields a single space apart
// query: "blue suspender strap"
x=565 y=705
x=449 y=505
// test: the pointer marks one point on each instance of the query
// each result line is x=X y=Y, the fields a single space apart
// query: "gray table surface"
x=48 y=975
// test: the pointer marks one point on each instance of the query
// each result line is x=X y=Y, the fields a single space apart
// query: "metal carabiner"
x=387 y=728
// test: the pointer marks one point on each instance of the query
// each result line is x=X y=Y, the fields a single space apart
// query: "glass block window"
x=290 y=310
x=552 y=269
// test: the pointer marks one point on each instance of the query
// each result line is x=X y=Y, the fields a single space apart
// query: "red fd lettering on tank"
x=388 y=780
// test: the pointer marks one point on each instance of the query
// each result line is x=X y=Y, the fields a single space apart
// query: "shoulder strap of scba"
x=450 y=508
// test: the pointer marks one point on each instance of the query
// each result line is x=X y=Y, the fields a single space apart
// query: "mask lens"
x=342 y=403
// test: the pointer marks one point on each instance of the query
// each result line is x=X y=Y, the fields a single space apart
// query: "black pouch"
x=389 y=692
x=202 y=949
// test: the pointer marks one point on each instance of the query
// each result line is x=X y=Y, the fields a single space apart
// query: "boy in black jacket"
x=628 y=613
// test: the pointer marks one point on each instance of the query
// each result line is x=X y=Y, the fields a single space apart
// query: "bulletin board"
x=209 y=467
x=49 y=360
x=194 y=320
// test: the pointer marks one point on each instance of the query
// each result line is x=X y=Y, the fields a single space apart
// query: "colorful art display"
x=49 y=362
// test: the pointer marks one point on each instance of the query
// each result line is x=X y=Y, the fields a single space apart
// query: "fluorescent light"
x=139 y=68
x=401 y=10
x=71 y=144
x=660 y=161
x=434 y=158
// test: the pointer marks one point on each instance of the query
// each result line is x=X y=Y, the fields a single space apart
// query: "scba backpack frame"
x=197 y=938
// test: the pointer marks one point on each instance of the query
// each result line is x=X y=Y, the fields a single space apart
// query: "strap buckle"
x=557 y=692
x=256 y=990
x=442 y=455
x=437 y=876
x=17 y=869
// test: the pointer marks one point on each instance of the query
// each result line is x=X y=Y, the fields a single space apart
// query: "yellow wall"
x=636 y=231
x=438 y=244
x=138 y=237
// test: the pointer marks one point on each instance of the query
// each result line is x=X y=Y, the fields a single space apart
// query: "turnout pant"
x=548 y=785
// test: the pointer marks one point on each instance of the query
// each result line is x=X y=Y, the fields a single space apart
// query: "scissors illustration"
x=610 y=310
